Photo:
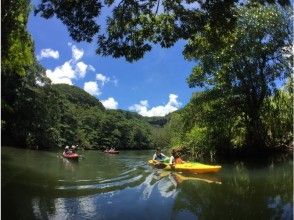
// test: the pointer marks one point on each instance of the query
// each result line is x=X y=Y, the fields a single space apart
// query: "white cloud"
x=144 y=103
x=62 y=74
x=91 y=68
x=77 y=53
x=102 y=78
x=47 y=53
x=81 y=68
x=92 y=88
x=110 y=103
x=161 y=110
x=71 y=69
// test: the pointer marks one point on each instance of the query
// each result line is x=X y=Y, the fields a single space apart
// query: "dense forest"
x=57 y=115
x=244 y=63
x=38 y=114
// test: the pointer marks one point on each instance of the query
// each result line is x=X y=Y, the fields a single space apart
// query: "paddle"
x=159 y=164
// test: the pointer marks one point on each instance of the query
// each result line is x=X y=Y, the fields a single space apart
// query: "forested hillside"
x=61 y=114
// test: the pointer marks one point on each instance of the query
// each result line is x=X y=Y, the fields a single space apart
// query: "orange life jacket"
x=178 y=160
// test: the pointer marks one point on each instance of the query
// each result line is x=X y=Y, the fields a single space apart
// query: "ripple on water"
x=129 y=178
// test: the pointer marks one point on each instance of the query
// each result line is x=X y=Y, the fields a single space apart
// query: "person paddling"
x=73 y=148
x=175 y=159
x=158 y=156
x=66 y=150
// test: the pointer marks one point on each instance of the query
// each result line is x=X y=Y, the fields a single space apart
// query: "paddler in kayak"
x=67 y=150
x=73 y=148
x=158 y=159
x=158 y=156
x=175 y=159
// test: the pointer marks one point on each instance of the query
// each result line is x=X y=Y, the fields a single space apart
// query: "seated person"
x=175 y=159
x=73 y=148
x=66 y=150
x=158 y=155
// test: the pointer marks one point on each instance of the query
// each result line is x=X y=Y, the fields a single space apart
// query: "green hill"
x=76 y=95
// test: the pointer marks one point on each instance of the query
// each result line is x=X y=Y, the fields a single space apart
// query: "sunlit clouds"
x=71 y=69
x=103 y=79
x=48 y=53
x=76 y=52
x=110 y=103
x=81 y=68
x=142 y=108
x=92 y=88
x=62 y=74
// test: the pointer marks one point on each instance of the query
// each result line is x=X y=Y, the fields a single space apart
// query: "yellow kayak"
x=157 y=164
x=188 y=167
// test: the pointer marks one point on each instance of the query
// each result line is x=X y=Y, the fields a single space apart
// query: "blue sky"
x=152 y=86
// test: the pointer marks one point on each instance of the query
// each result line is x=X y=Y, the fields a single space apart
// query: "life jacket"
x=159 y=157
x=178 y=160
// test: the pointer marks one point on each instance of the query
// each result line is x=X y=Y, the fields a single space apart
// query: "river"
x=43 y=185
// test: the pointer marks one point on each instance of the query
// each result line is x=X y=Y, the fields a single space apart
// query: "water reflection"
x=262 y=194
x=125 y=187
x=68 y=165
x=162 y=181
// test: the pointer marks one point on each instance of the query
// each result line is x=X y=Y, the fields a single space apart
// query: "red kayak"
x=71 y=156
x=111 y=151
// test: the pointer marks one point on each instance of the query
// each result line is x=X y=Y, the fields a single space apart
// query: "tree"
x=134 y=26
x=245 y=66
x=238 y=44
x=20 y=73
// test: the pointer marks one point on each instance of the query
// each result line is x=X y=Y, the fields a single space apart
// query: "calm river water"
x=43 y=185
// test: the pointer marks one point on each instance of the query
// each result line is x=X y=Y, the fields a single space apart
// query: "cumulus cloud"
x=110 y=103
x=81 y=69
x=71 y=69
x=75 y=68
x=77 y=53
x=47 y=53
x=102 y=78
x=62 y=74
x=161 y=110
x=92 y=88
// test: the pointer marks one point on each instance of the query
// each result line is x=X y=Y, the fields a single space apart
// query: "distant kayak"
x=73 y=156
x=111 y=151
x=187 y=167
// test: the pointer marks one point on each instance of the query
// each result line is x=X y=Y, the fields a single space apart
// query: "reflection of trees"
x=243 y=194
x=69 y=165
x=22 y=188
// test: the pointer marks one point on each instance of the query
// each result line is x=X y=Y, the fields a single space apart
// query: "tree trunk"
x=255 y=137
